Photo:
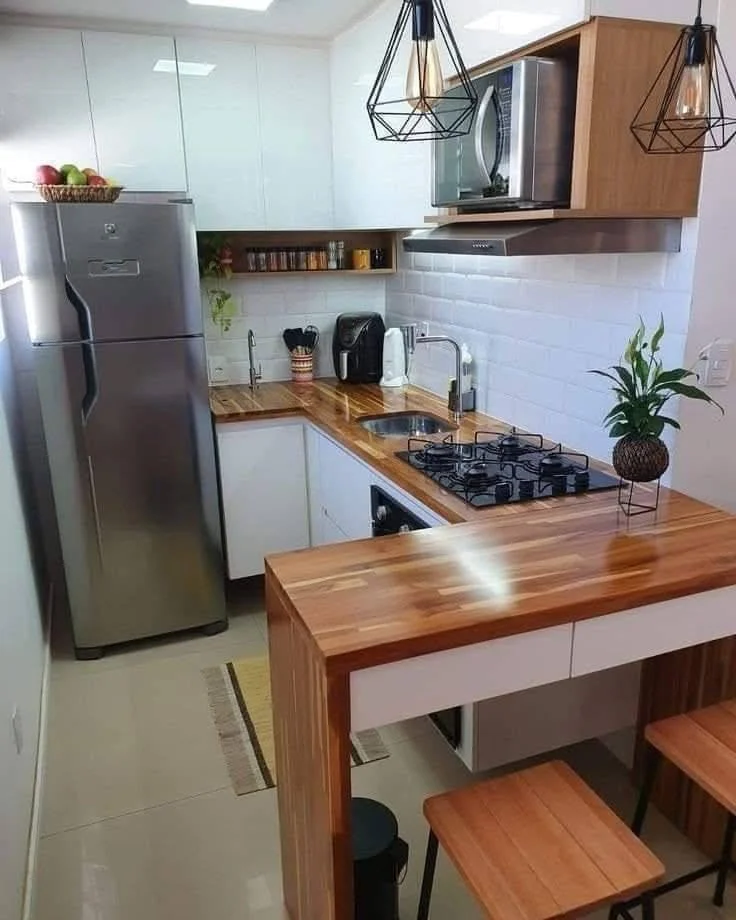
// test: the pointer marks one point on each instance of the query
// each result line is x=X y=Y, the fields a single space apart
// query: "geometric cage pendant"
x=411 y=103
x=691 y=108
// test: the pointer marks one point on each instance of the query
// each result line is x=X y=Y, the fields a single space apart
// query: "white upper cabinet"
x=134 y=96
x=44 y=106
x=294 y=93
x=377 y=183
x=222 y=135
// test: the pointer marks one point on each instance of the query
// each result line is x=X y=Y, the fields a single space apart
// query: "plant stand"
x=629 y=499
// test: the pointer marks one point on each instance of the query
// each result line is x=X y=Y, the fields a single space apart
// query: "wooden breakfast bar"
x=370 y=632
x=366 y=633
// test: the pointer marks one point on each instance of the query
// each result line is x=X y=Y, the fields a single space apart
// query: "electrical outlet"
x=217 y=365
x=423 y=330
x=17 y=723
x=718 y=357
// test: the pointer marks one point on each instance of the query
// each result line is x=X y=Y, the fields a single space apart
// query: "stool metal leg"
x=650 y=775
x=647 y=908
x=726 y=861
x=430 y=865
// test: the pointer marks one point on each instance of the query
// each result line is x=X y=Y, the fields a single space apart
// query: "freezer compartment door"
x=54 y=313
x=132 y=455
x=134 y=267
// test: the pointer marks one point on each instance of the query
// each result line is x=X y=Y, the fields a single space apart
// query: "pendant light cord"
x=700 y=9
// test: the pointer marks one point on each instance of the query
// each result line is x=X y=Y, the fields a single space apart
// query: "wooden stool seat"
x=539 y=844
x=703 y=745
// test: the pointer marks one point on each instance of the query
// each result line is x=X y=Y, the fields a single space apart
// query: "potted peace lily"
x=643 y=388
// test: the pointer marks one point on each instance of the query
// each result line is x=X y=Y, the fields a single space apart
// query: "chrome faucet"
x=411 y=340
x=255 y=376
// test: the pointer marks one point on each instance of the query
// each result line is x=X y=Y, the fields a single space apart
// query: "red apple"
x=48 y=175
x=96 y=180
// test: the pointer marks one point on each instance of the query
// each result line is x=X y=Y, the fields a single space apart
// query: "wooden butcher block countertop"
x=510 y=570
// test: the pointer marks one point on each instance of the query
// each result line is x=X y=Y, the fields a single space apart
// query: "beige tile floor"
x=139 y=819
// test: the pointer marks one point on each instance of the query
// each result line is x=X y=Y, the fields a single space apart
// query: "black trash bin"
x=379 y=858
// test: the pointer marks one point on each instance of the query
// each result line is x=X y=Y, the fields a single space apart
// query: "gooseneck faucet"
x=255 y=376
x=411 y=340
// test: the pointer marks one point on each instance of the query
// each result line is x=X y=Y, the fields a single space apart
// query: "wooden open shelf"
x=617 y=61
x=242 y=240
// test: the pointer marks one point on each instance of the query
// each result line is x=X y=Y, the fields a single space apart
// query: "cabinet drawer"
x=405 y=689
x=656 y=629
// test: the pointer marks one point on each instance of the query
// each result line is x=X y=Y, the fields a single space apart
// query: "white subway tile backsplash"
x=537 y=326
x=270 y=305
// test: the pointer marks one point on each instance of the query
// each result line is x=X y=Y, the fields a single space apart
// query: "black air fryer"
x=357 y=347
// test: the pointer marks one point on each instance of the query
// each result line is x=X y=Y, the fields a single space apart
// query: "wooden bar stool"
x=538 y=845
x=702 y=744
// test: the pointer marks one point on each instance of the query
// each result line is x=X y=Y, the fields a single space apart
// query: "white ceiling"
x=316 y=19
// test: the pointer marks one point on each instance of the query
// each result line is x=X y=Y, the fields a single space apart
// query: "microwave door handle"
x=489 y=99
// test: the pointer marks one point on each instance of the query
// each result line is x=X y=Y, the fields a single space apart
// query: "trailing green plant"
x=216 y=262
x=643 y=388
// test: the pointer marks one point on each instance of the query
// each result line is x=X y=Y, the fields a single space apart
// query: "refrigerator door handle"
x=91 y=380
x=82 y=310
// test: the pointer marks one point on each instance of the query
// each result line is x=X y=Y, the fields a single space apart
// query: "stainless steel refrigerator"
x=114 y=312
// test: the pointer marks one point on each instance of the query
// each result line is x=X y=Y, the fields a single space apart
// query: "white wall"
x=270 y=305
x=21 y=649
x=536 y=326
x=704 y=464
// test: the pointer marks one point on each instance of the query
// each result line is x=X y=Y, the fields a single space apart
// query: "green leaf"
x=670 y=421
x=666 y=377
x=658 y=335
x=626 y=378
x=656 y=426
x=683 y=389
x=620 y=430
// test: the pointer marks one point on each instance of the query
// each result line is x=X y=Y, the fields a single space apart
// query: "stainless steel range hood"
x=566 y=236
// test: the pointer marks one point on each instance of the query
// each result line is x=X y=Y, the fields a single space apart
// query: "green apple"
x=66 y=169
x=75 y=177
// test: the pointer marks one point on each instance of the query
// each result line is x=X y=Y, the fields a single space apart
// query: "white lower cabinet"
x=345 y=490
x=264 y=492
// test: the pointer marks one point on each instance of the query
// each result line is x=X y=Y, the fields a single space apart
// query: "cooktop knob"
x=405 y=528
x=381 y=513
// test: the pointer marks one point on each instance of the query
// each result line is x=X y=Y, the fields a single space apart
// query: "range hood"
x=565 y=236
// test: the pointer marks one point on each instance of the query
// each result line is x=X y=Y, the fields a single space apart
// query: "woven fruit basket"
x=85 y=194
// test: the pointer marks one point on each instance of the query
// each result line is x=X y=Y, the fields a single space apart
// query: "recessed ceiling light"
x=513 y=22
x=186 y=68
x=256 y=5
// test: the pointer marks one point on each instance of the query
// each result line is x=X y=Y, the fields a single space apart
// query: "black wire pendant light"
x=426 y=111
x=686 y=109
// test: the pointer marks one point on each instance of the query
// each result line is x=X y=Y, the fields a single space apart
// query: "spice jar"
x=341 y=263
x=273 y=260
x=261 y=260
x=251 y=264
x=323 y=260
x=283 y=260
x=313 y=260
x=332 y=255
x=302 y=260
x=291 y=258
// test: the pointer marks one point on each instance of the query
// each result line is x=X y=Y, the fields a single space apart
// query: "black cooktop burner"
x=502 y=467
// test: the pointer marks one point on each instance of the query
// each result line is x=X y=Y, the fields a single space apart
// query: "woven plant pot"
x=641 y=459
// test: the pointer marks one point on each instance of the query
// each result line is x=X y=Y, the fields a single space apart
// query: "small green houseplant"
x=216 y=262
x=643 y=388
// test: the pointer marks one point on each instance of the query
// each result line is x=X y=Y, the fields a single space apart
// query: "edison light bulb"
x=692 y=98
x=424 y=81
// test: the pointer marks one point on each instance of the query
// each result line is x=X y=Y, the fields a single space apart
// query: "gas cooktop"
x=502 y=467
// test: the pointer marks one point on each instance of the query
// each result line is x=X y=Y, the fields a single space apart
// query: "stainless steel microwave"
x=519 y=149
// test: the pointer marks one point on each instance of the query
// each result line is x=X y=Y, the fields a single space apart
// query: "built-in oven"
x=519 y=149
x=390 y=517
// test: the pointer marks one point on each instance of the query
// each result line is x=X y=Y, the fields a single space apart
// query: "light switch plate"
x=217 y=366
x=718 y=363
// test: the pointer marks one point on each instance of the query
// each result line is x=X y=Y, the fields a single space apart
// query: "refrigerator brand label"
x=106 y=269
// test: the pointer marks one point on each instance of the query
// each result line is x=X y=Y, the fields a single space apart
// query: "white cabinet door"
x=44 y=106
x=264 y=492
x=222 y=135
x=134 y=95
x=294 y=93
x=377 y=183
x=331 y=533
x=345 y=485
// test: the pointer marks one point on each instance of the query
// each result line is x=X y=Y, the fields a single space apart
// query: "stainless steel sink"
x=405 y=425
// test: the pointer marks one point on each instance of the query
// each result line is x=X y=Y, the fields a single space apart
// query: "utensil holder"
x=302 y=368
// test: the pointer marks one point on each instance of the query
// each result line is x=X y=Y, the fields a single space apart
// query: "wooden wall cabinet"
x=617 y=61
